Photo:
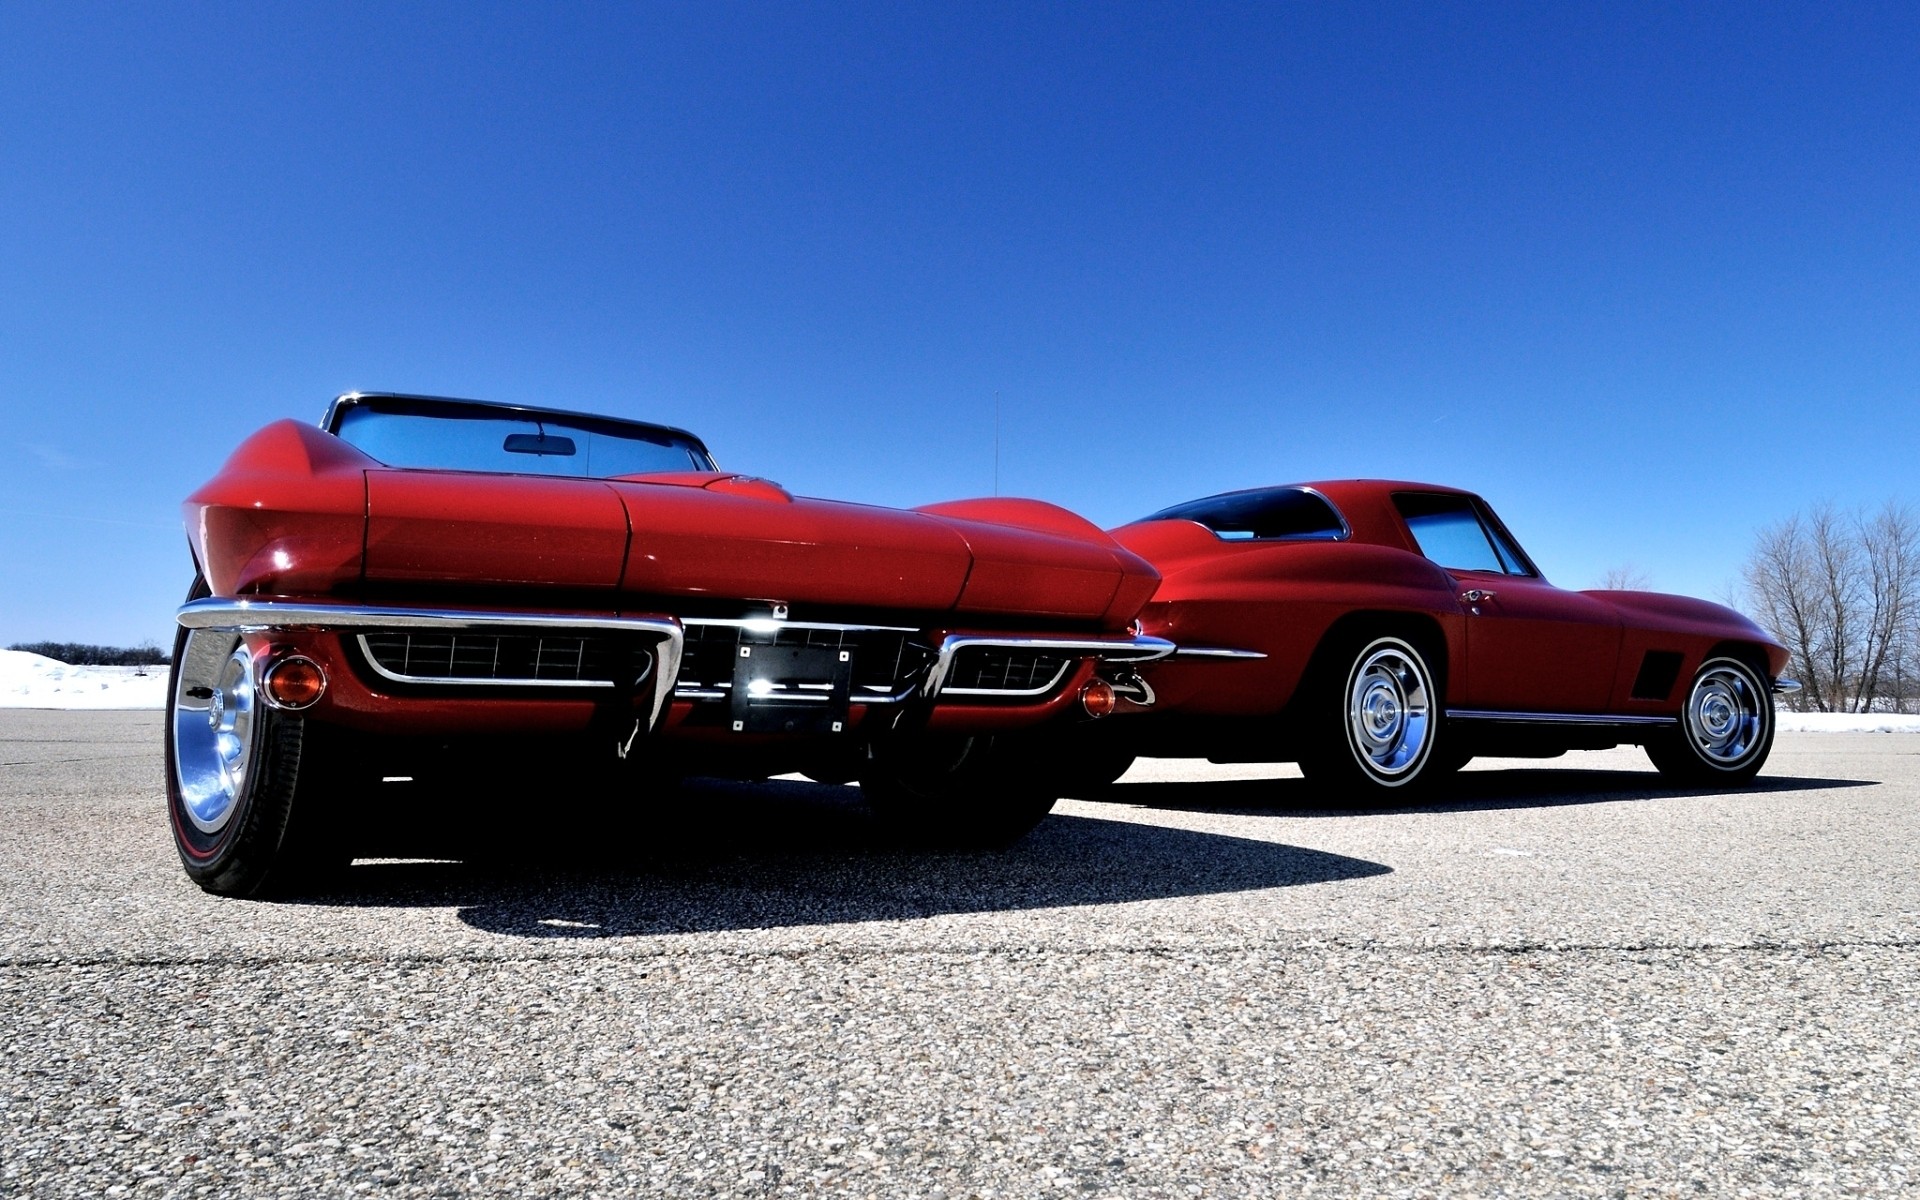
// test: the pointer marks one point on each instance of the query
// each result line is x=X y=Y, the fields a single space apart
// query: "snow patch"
x=35 y=681
x=1793 y=722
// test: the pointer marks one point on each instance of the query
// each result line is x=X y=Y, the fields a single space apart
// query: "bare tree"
x=1890 y=544
x=1780 y=575
x=1842 y=592
x=1626 y=578
x=1837 y=587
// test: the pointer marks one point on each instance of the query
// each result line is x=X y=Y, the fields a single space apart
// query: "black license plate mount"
x=791 y=689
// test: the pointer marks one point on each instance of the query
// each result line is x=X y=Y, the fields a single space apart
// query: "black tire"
x=262 y=834
x=1091 y=771
x=1726 y=727
x=971 y=793
x=1374 y=722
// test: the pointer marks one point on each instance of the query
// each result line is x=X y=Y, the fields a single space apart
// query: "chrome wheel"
x=215 y=719
x=1390 y=710
x=1726 y=714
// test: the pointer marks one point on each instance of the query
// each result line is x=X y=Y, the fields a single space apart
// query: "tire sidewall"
x=235 y=858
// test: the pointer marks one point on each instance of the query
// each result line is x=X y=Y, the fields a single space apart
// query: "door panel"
x=1532 y=647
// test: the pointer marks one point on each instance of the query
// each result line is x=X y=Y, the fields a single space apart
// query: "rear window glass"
x=1286 y=514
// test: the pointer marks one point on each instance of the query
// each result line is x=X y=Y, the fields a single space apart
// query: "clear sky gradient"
x=1646 y=277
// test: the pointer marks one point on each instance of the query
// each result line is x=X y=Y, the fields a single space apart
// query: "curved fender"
x=285 y=515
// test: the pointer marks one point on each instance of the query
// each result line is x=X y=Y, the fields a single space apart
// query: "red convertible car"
x=1381 y=634
x=423 y=580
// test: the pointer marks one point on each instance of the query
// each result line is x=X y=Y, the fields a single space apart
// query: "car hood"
x=296 y=511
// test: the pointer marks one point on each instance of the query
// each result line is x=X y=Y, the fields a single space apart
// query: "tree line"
x=80 y=654
x=1841 y=590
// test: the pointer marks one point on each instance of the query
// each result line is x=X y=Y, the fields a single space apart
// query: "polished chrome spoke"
x=215 y=717
x=1389 y=711
x=1725 y=715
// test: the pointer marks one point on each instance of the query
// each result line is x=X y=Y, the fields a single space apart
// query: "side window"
x=1450 y=531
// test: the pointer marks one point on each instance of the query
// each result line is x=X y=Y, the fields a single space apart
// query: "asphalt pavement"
x=1562 y=979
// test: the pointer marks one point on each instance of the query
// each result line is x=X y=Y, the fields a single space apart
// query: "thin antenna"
x=996 y=441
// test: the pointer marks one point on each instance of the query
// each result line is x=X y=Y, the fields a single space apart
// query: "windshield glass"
x=456 y=437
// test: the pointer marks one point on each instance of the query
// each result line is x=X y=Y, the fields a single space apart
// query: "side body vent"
x=1659 y=670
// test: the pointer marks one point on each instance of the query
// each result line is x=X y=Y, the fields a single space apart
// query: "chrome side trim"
x=1215 y=652
x=1534 y=718
x=261 y=616
x=1135 y=648
x=1785 y=687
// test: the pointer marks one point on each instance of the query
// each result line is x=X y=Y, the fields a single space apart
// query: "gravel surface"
x=1562 y=980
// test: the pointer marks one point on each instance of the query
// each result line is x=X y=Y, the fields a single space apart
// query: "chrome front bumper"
x=667 y=634
x=268 y=616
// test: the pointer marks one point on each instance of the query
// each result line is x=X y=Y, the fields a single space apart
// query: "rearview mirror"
x=539 y=443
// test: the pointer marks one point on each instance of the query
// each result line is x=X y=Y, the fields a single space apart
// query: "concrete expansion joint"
x=665 y=956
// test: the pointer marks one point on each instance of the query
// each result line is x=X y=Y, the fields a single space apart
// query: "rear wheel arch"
x=1353 y=630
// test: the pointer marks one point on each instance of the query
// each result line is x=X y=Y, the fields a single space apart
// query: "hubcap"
x=1389 y=711
x=1724 y=715
x=214 y=721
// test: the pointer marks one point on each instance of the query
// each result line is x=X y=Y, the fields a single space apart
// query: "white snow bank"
x=35 y=681
x=1793 y=722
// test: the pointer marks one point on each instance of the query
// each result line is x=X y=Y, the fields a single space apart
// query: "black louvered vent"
x=1659 y=670
x=480 y=657
x=1002 y=669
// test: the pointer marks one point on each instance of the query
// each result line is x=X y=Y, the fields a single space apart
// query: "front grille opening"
x=521 y=658
x=1005 y=671
x=887 y=664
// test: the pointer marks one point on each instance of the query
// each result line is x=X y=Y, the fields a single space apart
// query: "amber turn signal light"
x=1098 y=698
x=295 y=682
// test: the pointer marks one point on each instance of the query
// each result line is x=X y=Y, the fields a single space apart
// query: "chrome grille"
x=887 y=663
x=505 y=659
x=1004 y=671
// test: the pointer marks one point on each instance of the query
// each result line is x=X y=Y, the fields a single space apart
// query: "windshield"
x=479 y=437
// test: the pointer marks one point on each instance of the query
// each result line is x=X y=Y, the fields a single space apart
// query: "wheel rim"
x=215 y=716
x=1725 y=715
x=1389 y=711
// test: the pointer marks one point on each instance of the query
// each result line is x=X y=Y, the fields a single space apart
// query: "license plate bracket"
x=791 y=689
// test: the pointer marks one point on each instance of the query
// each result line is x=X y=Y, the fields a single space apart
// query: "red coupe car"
x=1381 y=634
x=432 y=581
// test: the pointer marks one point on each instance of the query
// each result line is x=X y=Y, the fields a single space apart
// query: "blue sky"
x=1648 y=277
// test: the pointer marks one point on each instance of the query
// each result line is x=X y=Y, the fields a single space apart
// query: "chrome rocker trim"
x=1135 y=649
x=261 y=616
x=1535 y=718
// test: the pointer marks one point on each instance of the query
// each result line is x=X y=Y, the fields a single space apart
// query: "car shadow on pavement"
x=737 y=856
x=1527 y=787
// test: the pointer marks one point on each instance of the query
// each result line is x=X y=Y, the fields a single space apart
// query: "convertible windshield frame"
x=545 y=420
